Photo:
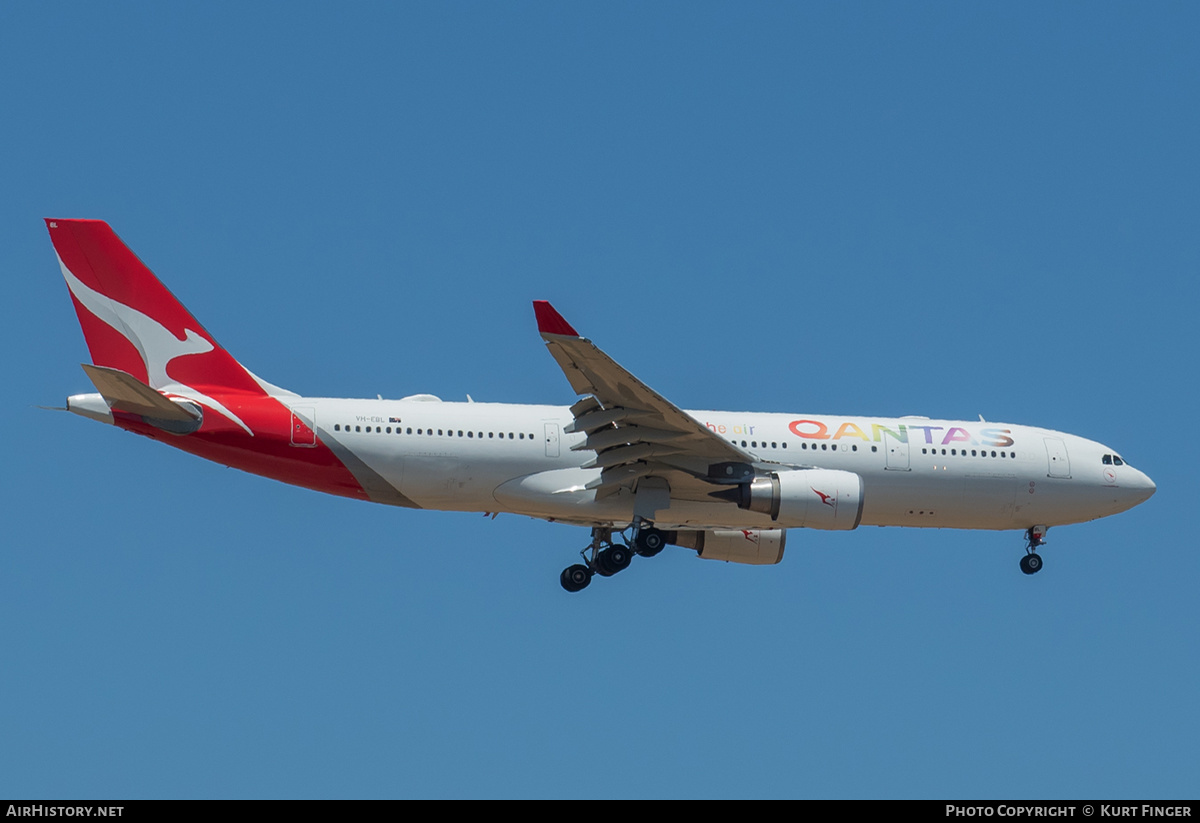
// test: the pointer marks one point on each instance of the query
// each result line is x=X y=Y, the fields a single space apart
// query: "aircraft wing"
x=633 y=429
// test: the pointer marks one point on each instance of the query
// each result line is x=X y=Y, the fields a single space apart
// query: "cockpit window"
x=1108 y=459
x=1118 y=461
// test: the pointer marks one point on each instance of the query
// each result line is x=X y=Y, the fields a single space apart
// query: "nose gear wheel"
x=1031 y=563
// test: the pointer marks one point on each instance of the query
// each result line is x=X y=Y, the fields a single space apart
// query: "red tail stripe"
x=94 y=254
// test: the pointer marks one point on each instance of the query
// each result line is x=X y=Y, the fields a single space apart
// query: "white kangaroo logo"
x=157 y=345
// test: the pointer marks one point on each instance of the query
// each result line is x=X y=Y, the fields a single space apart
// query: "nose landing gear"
x=1031 y=563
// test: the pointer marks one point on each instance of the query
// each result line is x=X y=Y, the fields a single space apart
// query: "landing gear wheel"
x=613 y=559
x=619 y=557
x=649 y=542
x=1031 y=563
x=575 y=578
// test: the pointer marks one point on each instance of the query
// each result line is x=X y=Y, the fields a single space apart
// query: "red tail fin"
x=132 y=322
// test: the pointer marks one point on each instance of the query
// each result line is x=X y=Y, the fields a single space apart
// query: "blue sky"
x=856 y=208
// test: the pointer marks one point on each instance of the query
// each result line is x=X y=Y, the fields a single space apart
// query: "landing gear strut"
x=1035 y=536
x=602 y=557
x=605 y=557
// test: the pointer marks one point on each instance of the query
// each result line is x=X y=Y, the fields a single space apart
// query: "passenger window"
x=358 y=428
x=337 y=427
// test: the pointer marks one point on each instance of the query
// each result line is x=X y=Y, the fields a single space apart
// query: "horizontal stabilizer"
x=124 y=392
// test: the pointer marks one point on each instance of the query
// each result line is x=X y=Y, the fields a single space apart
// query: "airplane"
x=624 y=461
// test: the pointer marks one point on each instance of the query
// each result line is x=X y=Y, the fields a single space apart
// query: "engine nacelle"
x=753 y=547
x=806 y=498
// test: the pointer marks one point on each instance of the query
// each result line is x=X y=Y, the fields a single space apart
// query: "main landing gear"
x=1035 y=536
x=606 y=558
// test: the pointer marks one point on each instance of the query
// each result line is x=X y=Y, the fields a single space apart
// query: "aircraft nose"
x=1149 y=488
x=1143 y=487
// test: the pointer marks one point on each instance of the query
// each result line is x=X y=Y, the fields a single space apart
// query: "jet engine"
x=753 y=547
x=803 y=498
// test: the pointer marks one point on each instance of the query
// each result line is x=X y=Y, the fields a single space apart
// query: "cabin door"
x=304 y=427
x=897 y=452
x=1056 y=454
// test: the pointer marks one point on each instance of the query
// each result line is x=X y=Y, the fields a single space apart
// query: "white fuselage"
x=491 y=457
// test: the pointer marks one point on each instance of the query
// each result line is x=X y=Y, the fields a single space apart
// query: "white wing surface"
x=634 y=431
